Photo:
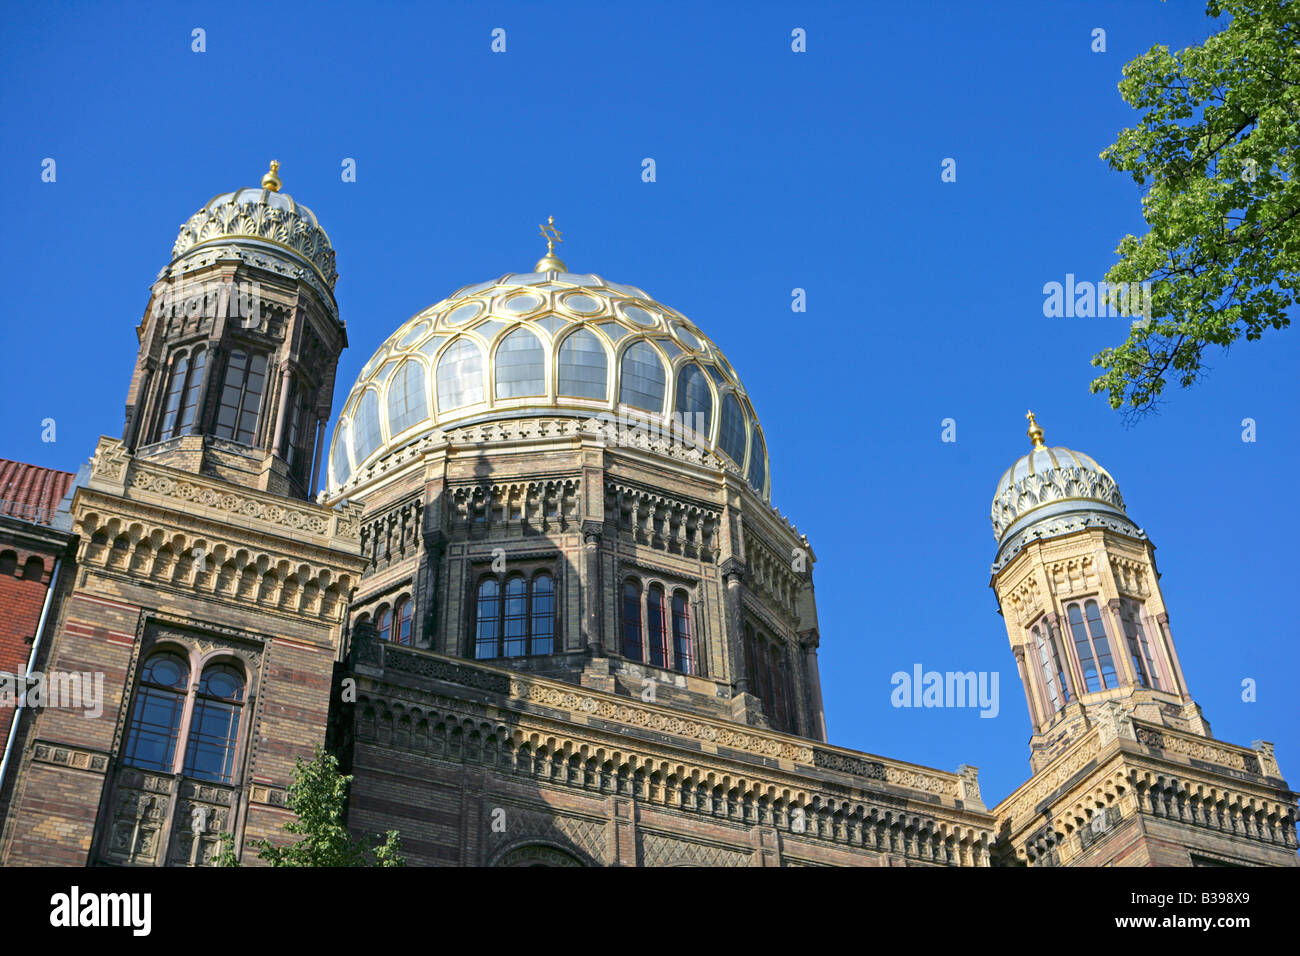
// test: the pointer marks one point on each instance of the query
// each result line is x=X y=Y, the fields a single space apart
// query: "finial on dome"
x=1035 y=432
x=271 y=181
x=550 y=262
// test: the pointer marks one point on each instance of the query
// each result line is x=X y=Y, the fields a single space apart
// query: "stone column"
x=809 y=642
x=1030 y=697
x=281 y=413
x=315 y=468
x=733 y=572
x=592 y=593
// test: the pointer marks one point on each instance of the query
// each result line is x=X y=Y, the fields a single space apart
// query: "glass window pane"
x=694 y=400
x=366 y=436
x=189 y=406
x=655 y=626
x=515 y=619
x=172 y=406
x=384 y=623
x=642 y=378
x=683 y=656
x=519 y=365
x=1083 y=648
x=757 y=462
x=731 y=432
x=403 y=633
x=486 y=630
x=1100 y=644
x=460 y=376
x=407 y=404
x=631 y=621
x=339 y=456
x=584 y=367
x=543 y=632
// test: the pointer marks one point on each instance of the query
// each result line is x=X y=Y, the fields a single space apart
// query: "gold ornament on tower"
x=271 y=181
x=550 y=262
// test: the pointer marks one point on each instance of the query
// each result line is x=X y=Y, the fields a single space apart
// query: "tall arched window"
x=487 y=624
x=1144 y=663
x=731 y=432
x=683 y=655
x=757 y=461
x=402 y=622
x=518 y=366
x=241 y=397
x=366 y=436
x=656 y=627
x=515 y=619
x=384 y=623
x=155 y=725
x=407 y=404
x=584 y=368
x=339 y=455
x=641 y=378
x=632 y=621
x=694 y=399
x=214 y=727
x=1092 y=647
x=542 y=636
x=1049 y=663
x=460 y=375
x=181 y=403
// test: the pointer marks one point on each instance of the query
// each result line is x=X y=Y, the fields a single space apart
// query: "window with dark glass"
x=683 y=656
x=731 y=432
x=155 y=724
x=694 y=399
x=642 y=378
x=180 y=404
x=384 y=623
x=302 y=437
x=241 y=397
x=214 y=727
x=769 y=678
x=632 y=621
x=656 y=631
x=757 y=462
x=517 y=618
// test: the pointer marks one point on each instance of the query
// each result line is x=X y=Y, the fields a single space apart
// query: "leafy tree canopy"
x=1216 y=148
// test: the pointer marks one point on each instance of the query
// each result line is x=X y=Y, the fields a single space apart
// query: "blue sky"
x=775 y=170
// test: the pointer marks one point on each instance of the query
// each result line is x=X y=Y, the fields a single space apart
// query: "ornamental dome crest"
x=263 y=216
x=555 y=345
x=1048 y=483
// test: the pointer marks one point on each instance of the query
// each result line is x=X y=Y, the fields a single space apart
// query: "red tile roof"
x=29 y=492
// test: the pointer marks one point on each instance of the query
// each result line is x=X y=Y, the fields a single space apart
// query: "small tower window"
x=1144 y=664
x=402 y=622
x=1092 y=646
x=1049 y=662
x=155 y=726
x=384 y=623
x=632 y=621
x=683 y=658
x=517 y=620
x=656 y=627
x=214 y=725
x=181 y=403
x=241 y=397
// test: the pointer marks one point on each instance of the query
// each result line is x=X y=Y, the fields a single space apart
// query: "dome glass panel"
x=757 y=462
x=584 y=367
x=694 y=399
x=518 y=365
x=366 y=436
x=407 y=403
x=731 y=431
x=339 y=457
x=460 y=376
x=641 y=378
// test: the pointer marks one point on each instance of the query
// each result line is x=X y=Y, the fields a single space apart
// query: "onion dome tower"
x=239 y=345
x=1077 y=583
x=563 y=474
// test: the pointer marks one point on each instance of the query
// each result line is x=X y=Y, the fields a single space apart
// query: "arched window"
x=694 y=400
x=1144 y=663
x=172 y=404
x=515 y=618
x=339 y=456
x=407 y=404
x=156 y=717
x=487 y=629
x=1049 y=663
x=757 y=462
x=366 y=436
x=33 y=569
x=632 y=621
x=656 y=629
x=384 y=623
x=542 y=636
x=641 y=378
x=584 y=367
x=302 y=435
x=402 y=619
x=193 y=388
x=460 y=375
x=241 y=397
x=683 y=656
x=518 y=365
x=1091 y=646
x=214 y=727
x=731 y=432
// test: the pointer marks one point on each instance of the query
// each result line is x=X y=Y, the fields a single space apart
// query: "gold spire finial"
x=550 y=262
x=1035 y=432
x=271 y=181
